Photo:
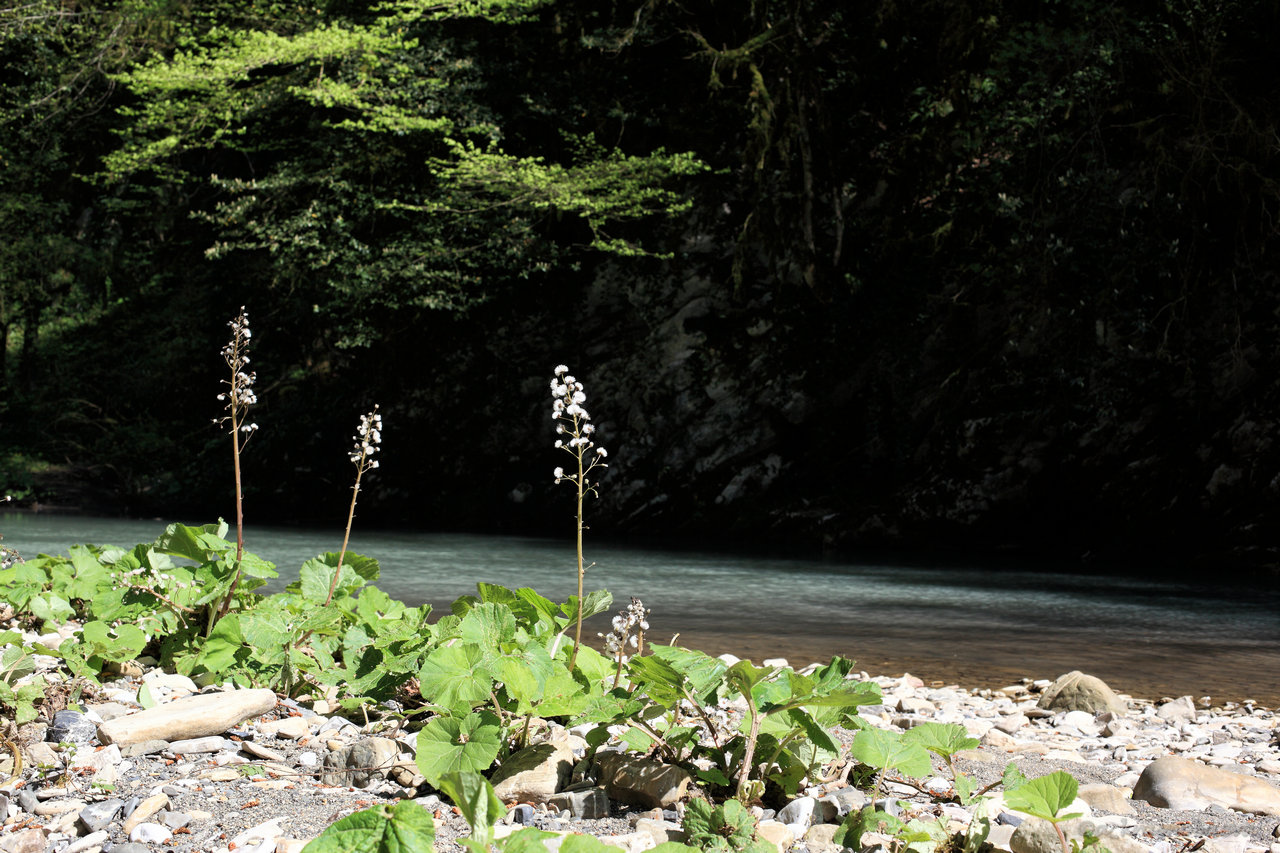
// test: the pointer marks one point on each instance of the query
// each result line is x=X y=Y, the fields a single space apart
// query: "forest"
x=834 y=273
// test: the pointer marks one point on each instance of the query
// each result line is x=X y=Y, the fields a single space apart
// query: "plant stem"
x=577 y=634
x=346 y=536
x=1061 y=837
x=235 y=462
x=749 y=752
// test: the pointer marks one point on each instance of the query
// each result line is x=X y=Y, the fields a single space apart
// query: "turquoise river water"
x=972 y=625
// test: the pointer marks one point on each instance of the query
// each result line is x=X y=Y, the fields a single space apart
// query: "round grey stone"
x=28 y=800
x=71 y=727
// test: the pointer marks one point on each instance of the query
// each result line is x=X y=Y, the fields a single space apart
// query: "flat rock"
x=188 y=717
x=1186 y=785
x=821 y=838
x=642 y=781
x=144 y=810
x=1107 y=798
x=534 y=774
x=778 y=834
x=26 y=841
x=1076 y=691
x=589 y=804
x=259 y=751
x=210 y=743
x=290 y=728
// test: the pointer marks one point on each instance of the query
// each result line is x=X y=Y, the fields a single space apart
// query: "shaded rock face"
x=903 y=413
x=642 y=781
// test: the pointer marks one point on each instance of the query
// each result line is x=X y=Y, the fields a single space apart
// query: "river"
x=975 y=625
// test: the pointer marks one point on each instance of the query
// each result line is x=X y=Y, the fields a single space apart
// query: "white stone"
x=1179 y=710
x=268 y=831
x=150 y=833
x=290 y=728
x=1012 y=723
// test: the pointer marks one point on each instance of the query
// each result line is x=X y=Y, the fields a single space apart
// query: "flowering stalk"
x=628 y=630
x=572 y=420
x=239 y=397
x=367 y=438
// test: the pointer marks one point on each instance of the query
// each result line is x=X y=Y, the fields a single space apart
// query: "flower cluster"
x=8 y=557
x=628 y=631
x=236 y=355
x=367 y=438
x=574 y=421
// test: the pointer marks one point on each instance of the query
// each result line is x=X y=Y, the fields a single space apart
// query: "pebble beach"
x=215 y=770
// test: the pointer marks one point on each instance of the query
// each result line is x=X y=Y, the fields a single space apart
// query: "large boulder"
x=1076 y=691
x=1185 y=785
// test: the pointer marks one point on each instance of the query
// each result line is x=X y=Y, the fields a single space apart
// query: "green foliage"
x=405 y=827
x=1045 y=797
x=726 y=828
x=15 y=663
x=885 y=751
x=452 y=745
x=921 y=836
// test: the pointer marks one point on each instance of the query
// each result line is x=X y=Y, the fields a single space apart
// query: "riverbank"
x=1229 y=673
x=274 y=779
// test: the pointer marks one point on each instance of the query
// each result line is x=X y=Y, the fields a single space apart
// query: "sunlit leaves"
x=449 y=745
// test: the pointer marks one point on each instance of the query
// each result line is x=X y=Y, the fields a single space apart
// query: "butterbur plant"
x=573 y=421
x=367 y=440
x=238 y=397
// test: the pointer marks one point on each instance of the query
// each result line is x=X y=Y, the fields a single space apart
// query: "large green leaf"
x=198 y=544
x=1045 y=797
x=744 y=675
x=658 y=679
x=474 y=797
x=592 y=665
x=452 y=677
x=703 y=673
x=597 y=601
x=316 y=576
x=944 y=739
x=449 y=745
x=223 y=646
x=488 y=625
x=544 y=607
x=90 y=575
x=267 y=633
x=525 y=672
x=562 y=695
x=888 y=751
x=405 y=827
